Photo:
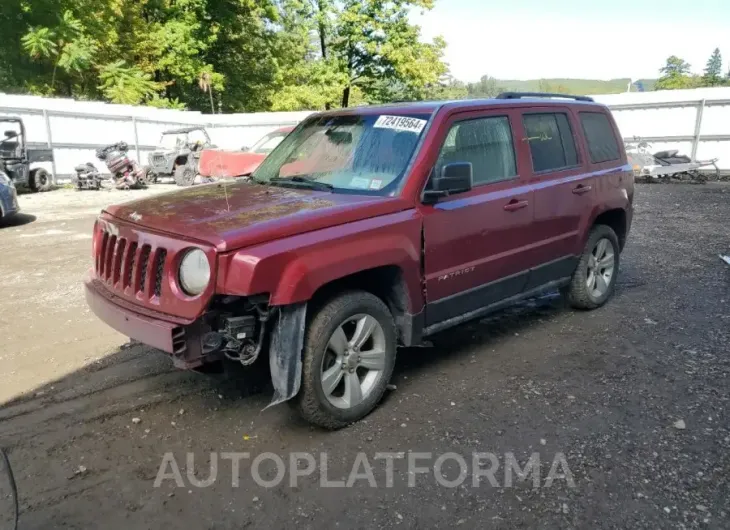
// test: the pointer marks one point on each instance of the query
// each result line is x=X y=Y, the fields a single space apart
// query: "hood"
x=220 y=163
x=232 y=216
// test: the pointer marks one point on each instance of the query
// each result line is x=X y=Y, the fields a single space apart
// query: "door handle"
x=581 y=189
x=514 y=205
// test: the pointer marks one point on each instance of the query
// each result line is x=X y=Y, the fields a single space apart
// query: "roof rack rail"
x=518 y=95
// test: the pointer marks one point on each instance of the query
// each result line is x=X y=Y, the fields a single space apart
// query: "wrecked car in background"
x=20 y=162
x=366 y=229
x=219 y=163
x=178 y=154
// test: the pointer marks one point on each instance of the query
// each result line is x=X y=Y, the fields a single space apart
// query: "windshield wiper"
x=298 y=180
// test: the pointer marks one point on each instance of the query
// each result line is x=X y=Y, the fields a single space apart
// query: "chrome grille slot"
x=143 y=263
x=129 y=265
x=108 y=256
x=101 y=253
x=118 y=255
x=159 y=270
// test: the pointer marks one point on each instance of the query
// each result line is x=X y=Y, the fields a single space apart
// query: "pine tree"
x=713 y=70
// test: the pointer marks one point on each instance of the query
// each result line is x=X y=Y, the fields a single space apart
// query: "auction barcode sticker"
x=400 y=123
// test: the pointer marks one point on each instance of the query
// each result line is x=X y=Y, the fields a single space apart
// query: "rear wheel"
x=349 y=355
x=184 y=175
x=595 y=276
x=40 y=180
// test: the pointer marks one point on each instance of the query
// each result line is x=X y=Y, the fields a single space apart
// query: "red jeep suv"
x=366 y=229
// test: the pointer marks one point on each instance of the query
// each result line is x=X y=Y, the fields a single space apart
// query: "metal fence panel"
x=694 y=121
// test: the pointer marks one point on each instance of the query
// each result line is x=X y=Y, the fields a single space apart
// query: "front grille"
x=125 y=265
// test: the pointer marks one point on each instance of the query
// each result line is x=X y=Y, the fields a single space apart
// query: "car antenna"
x=225 y=191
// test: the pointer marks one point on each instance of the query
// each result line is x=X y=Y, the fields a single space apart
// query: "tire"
x=184 y=175
x=579 y=295
x=340 y=314
x=40 y=180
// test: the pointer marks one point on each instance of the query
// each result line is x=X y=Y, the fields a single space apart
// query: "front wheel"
x=349 y=355
x=595 y=276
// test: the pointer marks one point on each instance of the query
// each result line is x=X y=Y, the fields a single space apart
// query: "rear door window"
x=551 y=142
x=602 y=144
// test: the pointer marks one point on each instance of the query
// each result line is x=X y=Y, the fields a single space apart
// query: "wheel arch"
x=617 y=220
x=388 y=283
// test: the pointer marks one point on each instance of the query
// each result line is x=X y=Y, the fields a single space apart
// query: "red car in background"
x=219 y=163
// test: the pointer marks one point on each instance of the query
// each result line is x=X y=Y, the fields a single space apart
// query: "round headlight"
x=194 y=272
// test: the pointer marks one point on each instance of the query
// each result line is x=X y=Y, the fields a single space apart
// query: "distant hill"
x=573 y=86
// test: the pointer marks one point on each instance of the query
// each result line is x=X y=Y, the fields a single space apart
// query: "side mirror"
x=455 y=178
x=246 y=148
x=10 y=134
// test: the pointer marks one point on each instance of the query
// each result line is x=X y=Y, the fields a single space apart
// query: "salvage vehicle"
x=126 y=172
x=219 y=163
x=367 y=229
x=87 y=177
x=19 y=161
x=666 y=164
x=178 y=153
x=8 y=197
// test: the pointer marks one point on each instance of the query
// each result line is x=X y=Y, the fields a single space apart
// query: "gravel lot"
x=635 y=395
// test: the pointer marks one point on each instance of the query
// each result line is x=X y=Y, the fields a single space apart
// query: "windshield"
x=180 y=141
x=268 y=142
x=354 y=153
x=173 y=141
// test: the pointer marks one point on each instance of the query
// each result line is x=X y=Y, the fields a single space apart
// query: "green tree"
x=254 y=54
x=486 y=87
x=447 y=89
x=675 y=75
x=377 y=45
x=126 y=84
x=713 y=70
x=65 y=45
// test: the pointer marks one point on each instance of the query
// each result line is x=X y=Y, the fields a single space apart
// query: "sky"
x=529 y=39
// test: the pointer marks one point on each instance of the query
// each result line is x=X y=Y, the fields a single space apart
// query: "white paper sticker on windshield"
x=400 y=123
x=360 y=183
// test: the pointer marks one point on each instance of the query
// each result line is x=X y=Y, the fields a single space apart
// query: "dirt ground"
x=635 y=395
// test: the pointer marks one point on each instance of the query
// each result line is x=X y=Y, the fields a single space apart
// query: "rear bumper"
x=153 y=332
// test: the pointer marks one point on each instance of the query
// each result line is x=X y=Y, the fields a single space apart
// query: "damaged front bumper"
x=191 y=344
x=180 y=338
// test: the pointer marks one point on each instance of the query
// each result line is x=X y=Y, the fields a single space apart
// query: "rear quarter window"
x=602 y=144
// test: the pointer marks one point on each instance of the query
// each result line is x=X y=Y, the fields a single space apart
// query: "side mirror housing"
x=455 y=178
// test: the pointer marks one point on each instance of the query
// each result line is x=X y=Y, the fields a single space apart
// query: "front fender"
x=292 y=269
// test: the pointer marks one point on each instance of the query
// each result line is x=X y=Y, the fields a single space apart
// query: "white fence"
x=696 y=122
x=75 y=129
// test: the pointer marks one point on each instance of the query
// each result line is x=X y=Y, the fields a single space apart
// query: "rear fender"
x=614 y=191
